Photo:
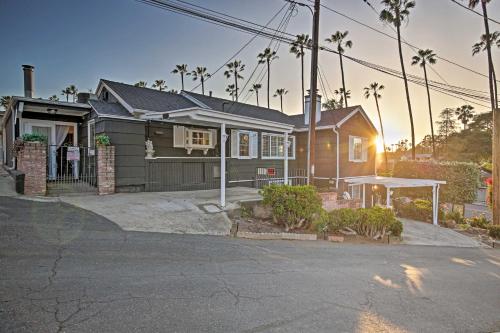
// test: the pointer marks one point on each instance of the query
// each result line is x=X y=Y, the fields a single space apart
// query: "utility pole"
x=314 y=93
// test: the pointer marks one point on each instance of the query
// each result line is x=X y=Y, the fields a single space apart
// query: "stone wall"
x=32 y=161
x=106 y=169
x=331 y=202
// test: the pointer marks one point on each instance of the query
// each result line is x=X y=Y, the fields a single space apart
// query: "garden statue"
x=149 y=149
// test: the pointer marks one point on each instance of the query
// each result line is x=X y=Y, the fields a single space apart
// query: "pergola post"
x=435 y=204
x=363 y=204
x=223 y=137
x=285 y=166
x=388 y=198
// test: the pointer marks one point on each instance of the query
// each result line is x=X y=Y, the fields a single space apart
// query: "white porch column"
x=363 y=204
x=223 y=137
x=388 y=198
x=285 y=166
x=435 y=204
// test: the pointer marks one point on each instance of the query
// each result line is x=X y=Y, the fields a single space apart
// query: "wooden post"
x=496 y=167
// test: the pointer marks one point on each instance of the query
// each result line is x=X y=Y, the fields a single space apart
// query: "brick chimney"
x=29 y=84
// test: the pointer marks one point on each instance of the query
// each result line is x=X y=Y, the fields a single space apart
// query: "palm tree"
x=338 y=38
x=141 y=84
x=201 y=73
x=482 y=46
x=231 y=89
x=173 y=91
x=465 y=113
x=73 y=91
x=160 y=84
x=265 y=58
x=281 y=92
x=54 y=98
x=342 y=95
x=297 y=48
x=234 y=69
x=66 y=91
x=374 y=90
x=181 y=70
x=332 y=104
x=396 y=12
x=5 y=101
x=423 y=58
x=255 y=88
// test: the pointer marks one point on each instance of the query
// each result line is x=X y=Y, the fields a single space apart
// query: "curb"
x=276 y=236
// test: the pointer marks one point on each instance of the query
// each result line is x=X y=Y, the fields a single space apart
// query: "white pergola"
x=390 y=183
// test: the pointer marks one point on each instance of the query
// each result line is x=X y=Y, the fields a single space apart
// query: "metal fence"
x=71 y=169
x=268 y=176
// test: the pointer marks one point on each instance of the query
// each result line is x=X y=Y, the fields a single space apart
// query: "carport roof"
x=392 y=182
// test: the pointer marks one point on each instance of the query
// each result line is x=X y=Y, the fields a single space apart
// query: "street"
x=64 y=269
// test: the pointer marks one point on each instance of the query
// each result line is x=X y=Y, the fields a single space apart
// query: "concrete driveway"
x=65 y=269
x=421 y=233
x=191 y=212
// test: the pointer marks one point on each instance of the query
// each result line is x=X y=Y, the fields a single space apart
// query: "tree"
x=338 y=38
x=465 y=113
x=341 y=94
x=173 y=91
x=232 y=90
x=374 y=90
x=66 y=91
x=160 y=84
x=482 y=45
x=234 y=69
x=265 y=58
x=424 y=58
x=447 y=125
x=255 y=88
x=200 y=73
x=280 y=93
x=181 y=70
x=332 y=104
x=141 y=84
x=54 y=98
x=297 y=48
x=396 y=12
x=73 y=91
x=5 y=101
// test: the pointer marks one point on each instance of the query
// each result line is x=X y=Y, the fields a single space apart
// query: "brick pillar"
x=106 y=169
x=32 y=161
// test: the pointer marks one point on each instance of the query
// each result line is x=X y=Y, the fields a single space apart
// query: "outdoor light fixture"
x=51 y=111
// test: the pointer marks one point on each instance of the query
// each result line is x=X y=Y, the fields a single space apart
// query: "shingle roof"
x=328 y=117
x=241 y=109
x=149 y=99
x=110 y=109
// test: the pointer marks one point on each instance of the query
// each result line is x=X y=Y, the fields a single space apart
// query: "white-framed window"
x=91 y=137
x=358 y=149
x=273 y=146
x=244 y=144
x=199 y=138
x=355 y=191
x=194 y=138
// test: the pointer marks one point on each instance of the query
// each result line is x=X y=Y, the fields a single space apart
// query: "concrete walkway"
x=191 y=212
x=421 y=233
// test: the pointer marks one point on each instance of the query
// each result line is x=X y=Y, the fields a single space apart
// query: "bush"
x=462 y=179
x=420 y=210
x=494 y=231
x=293 y=206
x=34 y=138
x=455 y=216
x=102 y=140
x=479 y=222
x=369 y=222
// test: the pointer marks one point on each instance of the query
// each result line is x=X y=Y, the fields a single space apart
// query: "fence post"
x=32 y=161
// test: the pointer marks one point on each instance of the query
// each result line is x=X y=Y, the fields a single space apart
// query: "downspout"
x=14 y=121
x=335 y=130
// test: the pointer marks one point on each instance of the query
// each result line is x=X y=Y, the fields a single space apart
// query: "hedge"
x=462 y=179
x=420 y=210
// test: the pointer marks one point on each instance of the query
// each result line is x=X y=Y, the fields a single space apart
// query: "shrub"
x=462 y=179
x=479 y=222
x=341 y=218
x=396 y=228
x=494 y=231
x=455 y=216
x=34 y=137
x=102 y=140
x=420 y=210
x=293 y=206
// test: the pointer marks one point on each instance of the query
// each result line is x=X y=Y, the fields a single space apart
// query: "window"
x=91 y=137
x=199 y=139
x=244 y=144
x=273 y=146
x=355 y=191
x=358 y=149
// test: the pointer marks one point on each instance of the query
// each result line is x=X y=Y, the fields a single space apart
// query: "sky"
x=80 y=42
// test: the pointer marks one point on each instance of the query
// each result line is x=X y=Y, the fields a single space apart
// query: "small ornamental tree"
x=462 y=179
x=489 y=193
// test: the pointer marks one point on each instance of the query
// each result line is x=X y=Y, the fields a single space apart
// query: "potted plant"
x=102 y=140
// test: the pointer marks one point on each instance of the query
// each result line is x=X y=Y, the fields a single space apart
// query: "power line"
x=473 y=11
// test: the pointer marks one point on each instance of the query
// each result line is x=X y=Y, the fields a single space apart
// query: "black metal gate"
x=71 y=169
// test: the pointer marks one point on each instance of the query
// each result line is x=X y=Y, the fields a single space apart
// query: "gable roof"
x=149 y=99
x=328 y=117
x=110 y=109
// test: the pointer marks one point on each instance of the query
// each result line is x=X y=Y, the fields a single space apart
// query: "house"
x=187 y=132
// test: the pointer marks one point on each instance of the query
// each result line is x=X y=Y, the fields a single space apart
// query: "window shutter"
x=254 y=145
x=235 y=149
x=214 y=137
x=179 y=137
x=365 y=149
x=351 y=148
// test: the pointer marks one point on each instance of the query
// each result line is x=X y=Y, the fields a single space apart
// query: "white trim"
x=363 y=113
x=194 y=100
x=90 y=152
x=189 y=139
x=119 y=117
x=118 y=98
x=223 y=138
x=183 y=157
x=48 y=123
x=238 y=133
x=294 y=139
x=354 y=160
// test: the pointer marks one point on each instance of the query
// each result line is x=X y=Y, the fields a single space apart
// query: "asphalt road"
x=63 y=269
